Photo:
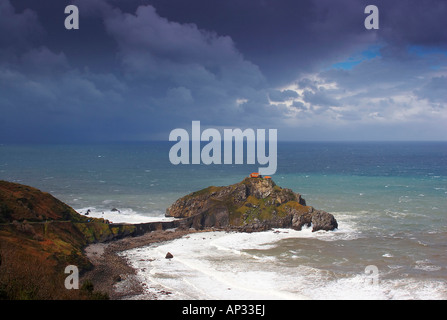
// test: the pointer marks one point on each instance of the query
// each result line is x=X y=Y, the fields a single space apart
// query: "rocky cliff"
x=254 y=204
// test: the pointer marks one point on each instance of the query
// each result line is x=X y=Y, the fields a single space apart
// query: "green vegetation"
x=263 y=209
x=249 y=201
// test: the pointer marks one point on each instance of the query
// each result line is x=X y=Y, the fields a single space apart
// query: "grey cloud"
x=281 y=96
x=42 y=61
x=171 y=74
x=305 y=83
x=350 y=115
x=414 y=22
x=320 y=98
x=434 y=91
x=304 y=36
x=169 y=55
x=299 y=105
x=385 y=78
x=18 y=30
x=151 y=39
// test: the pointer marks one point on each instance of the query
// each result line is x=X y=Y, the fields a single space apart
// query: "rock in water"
x=169 y=256
x=321 y=220
x=254 y=204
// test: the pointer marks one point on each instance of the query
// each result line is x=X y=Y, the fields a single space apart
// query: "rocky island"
x=254 y=204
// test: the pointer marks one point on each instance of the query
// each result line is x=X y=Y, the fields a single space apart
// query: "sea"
x=389 y=198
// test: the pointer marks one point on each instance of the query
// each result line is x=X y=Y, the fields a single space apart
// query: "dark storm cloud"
x=138 y=68
x=285 y=37
x=191 y=72
x=169 y=74
x=414 y=22
x=18 y=29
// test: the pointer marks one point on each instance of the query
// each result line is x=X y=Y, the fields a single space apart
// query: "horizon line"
x=167 y=141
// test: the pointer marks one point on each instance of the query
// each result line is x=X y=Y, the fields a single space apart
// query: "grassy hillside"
x=39 y=237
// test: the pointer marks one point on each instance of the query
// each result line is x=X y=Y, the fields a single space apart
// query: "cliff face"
x=253 y=204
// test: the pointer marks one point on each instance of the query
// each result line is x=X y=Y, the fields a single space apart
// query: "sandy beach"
x=112 y=274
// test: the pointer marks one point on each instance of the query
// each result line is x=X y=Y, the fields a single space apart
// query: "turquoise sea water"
x=390 y=199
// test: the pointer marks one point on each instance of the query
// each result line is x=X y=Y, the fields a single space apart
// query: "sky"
x=137 y=69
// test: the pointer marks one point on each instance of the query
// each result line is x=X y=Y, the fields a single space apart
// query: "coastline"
x=112 y=274
x=401 y=227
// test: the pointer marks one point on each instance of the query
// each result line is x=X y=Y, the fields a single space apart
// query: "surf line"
x=211 y=153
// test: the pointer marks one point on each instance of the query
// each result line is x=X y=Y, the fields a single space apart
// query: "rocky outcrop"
x=254 y=204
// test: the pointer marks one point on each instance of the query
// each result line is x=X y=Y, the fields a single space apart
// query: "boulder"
x=169 y=256
x=321 y=220
x=300 y=220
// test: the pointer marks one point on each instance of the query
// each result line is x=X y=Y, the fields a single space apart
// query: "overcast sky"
x=136 y=69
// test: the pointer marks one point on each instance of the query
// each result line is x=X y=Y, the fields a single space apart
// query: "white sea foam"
x=217 y=265
x=123 y=215
x=426 y=265
x=211 y=266
x=360 y=287
x=220 y=265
